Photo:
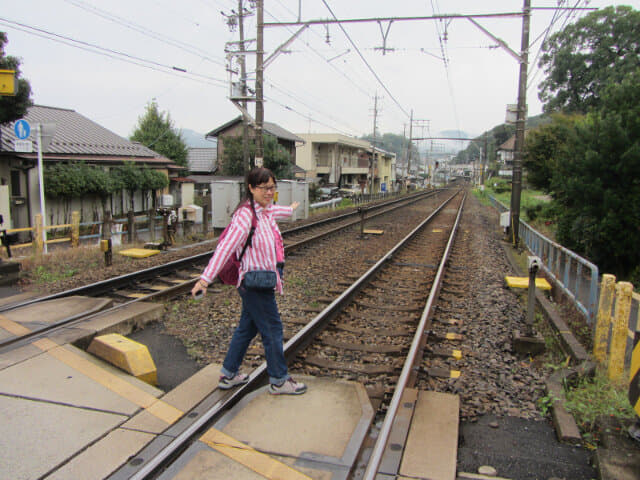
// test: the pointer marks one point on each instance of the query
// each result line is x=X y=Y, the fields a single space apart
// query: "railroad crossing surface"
x=68 y=414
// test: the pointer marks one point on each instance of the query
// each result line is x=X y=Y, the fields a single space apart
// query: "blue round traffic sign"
x=22 y=129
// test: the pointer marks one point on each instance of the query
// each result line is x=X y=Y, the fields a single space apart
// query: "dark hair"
x=255 y=177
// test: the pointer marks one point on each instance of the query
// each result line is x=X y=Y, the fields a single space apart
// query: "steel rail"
x=103 y=286
x=383 y=436
x=259 y=375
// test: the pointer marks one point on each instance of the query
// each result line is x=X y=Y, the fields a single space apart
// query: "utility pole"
x=409 y=145
x=373 y=143
x=484 y=159
x=243 y=81
x=259 y=83
x=516 y=187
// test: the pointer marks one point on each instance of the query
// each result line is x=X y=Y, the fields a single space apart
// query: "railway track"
x=382 y=318
x=176 y=278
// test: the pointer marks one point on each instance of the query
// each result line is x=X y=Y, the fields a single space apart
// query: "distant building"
x=76 y=138
x=203 y=165
x=335 y=159
x=233 y=129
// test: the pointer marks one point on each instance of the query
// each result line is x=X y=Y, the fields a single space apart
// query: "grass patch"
x=590 y=398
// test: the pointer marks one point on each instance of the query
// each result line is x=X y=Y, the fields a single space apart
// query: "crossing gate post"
x=620 y=328
x=75 y=229
x=601 y=337
x=634 y=372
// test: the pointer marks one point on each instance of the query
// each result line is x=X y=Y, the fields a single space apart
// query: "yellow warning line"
x=13 y=327
x=259 y=462
x=237 y=451
x=154 y=406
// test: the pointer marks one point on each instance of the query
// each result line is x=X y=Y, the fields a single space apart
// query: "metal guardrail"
x=576 y=276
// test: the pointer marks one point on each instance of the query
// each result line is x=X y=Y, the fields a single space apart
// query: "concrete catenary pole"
x=516 y=187
x=259 y=83
x=243 y=81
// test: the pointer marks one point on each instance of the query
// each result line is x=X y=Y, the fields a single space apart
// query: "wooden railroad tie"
x=447 y=336
x=385 y=332
x=391 y=308
x=368 y=369
x=361 y=347
x=440 y=372
x=444 y=352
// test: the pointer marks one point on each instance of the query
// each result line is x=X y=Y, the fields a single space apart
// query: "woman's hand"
x=200 y=286
x=295 y=205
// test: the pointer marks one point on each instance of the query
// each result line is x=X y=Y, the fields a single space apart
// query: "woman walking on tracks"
x=260 y=276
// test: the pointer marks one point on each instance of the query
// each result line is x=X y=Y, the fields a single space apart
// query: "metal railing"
x=577 y=277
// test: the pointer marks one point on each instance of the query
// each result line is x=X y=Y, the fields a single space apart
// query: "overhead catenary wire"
x=145 y=31
x=97 y=49
x=373 y=72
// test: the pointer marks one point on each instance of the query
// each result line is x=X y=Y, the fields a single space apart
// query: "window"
x=16 y=191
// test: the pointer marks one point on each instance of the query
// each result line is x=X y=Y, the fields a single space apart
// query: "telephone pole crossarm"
x=452 y=16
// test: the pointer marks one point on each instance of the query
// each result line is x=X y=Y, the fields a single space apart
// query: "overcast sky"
x=321 y=84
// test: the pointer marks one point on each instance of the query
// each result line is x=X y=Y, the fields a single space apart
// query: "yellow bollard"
x=634 y=373
x=619 y=333
x=75 y=229
x=601 y=338
x=37 y=234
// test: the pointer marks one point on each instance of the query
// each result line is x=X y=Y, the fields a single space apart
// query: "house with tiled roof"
x=233 y=129
x=75 y=139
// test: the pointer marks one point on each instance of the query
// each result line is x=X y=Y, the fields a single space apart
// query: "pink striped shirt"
x=261 y=254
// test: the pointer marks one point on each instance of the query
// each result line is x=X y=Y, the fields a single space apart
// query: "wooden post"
x=37 y=234
x=130 y=226
x=106 y=239
x=152 y=225
x=619 y=333
x=205 y=219
x=601 y=337
x=75 y=229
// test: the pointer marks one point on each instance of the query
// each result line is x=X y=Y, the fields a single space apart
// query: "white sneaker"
x=289 y=387
x=226 y=383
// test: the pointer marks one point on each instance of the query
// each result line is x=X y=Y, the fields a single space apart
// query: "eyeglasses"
x=265 y=188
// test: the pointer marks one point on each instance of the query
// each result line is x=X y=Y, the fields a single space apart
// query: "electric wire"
x=536 y=69
x=145 y=31
x=373 y=72
x=89 y=47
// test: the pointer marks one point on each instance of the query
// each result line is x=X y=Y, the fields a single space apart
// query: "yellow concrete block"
x=126 y=354
x=138 y=252
x=373 y=232
x=523 y=282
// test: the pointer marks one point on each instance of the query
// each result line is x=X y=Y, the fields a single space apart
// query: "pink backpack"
x=230 y=271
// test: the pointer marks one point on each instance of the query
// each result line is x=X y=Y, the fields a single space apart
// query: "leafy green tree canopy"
x=544 y=147
x=155 y=131
x=584 y=58
x=13 y=107
x=597 y=182
x=276 y=157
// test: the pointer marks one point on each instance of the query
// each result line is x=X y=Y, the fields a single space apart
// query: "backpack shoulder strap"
x=254 y=224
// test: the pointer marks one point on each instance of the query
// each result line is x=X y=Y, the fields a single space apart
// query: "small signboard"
x=22 y=129
x=8 y=83
x=23 y=146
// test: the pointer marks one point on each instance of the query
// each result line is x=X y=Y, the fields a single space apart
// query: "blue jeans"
x=259 y=314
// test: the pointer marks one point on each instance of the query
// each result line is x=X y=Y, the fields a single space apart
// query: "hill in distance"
x=195 y=139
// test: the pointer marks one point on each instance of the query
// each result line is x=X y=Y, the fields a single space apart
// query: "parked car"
x=349 y=192
x=327 y=193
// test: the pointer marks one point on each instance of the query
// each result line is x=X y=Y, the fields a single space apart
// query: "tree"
x=544 y=146
x=232 y=163
x=597 y=182
x=276 y=157
x=13 y=107
x=155 y=131
x=584 y=58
